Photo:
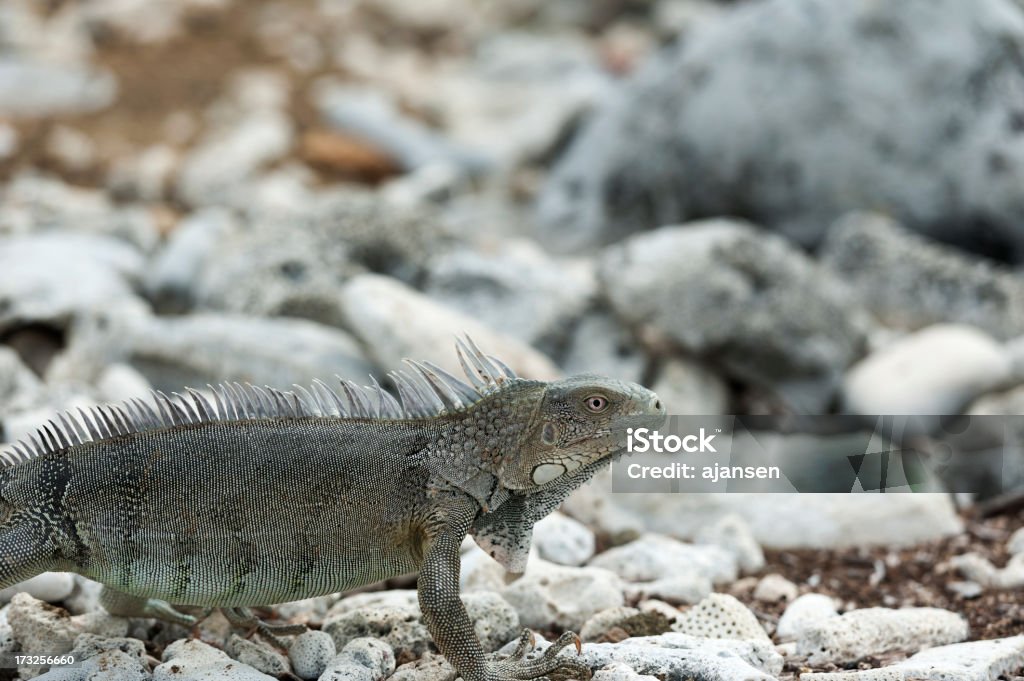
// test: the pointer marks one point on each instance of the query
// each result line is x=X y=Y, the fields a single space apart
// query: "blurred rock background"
x=753 y=207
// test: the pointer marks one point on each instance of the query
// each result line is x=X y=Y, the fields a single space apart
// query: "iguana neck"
x=470 y=446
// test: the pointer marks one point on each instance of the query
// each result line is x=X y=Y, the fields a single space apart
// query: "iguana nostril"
x=657 y=404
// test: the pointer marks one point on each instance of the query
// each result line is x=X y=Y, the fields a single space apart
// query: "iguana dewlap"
x=256 y=496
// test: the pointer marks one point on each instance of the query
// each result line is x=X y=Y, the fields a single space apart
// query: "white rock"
x=39 y=204
x=196 y=661
x=937 y=370
x=172 y=274
x=145 y=177
x=909 y=281
x=776 y=520
x=83 y=275
x=1016 y=543
x=430 y=667
x=687 y=588
x=972 y=661
x=732 y=533
x=258 y=655
x=977 y=568
x=172 y=352
x=69 y=88
x=549 y=595
x=480 y=572
x=654 y=557
x=495 y=621
x=71 y=148
x=8 y=141
x=688 y=387
x=775 y=588
x=790 y=327
x=363 y=659
x=696 y=153
x=806 y=611
x=721 y=616
x=232 y=154
x=52 y=587
x=120 y=382
x=405 y=633
x=679 y=656
x=116 y=659
x=562 y=540
x=517 y=290
x=310 y=653
x=871 y=631
x=618 y=671
x=599 y=624
x=395 y=322
x=42 y=629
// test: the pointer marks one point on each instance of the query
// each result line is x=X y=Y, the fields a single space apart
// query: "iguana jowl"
x=256 y=496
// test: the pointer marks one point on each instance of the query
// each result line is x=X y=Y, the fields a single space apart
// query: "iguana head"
x=579 y=421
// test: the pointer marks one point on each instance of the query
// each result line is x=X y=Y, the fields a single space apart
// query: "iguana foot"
x=516 y=667
x=125 y=605
x=244 y=618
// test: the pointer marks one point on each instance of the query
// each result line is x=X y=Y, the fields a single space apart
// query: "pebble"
x=84 y=275
x=775 y=588
x=803 y=613
x=732 y=533
x=52 y=587
x=549 y=595
x=721 y=616
x=940 y=370
x=872 y=631
x=980 y=570
x=362 y=659
x=654 y=557
x=258 y=655
x=560 y=539
x=42 y=628
x=910 y=282
x=765 y=311
x=196 y=661
x=310 y=653
x=394 y=322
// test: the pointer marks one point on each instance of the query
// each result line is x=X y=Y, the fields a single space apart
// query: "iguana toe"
x=549 y=666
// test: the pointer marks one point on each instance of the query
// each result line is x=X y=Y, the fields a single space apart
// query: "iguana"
x=248 y=496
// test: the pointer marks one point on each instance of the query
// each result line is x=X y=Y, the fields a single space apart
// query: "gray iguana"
x=253 y=496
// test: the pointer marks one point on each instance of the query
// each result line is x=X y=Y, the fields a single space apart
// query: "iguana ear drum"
x=549 y=433
x=546 y=472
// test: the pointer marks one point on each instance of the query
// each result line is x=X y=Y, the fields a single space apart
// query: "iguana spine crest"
x=426 y=391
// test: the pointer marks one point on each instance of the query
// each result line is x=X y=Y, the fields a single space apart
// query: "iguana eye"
x=596 y=403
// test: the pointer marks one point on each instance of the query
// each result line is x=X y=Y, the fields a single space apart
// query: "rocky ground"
x=768 y=207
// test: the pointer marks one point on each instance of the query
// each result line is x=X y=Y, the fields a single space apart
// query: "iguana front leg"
x=449 y=624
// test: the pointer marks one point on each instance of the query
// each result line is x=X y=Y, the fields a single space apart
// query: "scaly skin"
x=236 y=512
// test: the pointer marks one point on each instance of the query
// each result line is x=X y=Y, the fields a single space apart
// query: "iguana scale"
x=254 y=496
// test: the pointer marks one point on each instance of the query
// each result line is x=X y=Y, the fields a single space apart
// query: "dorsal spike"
x=447 y=396
x=124 y=422
x=505 y=369
x=474 y=371
x=332 y=395
x=465 y=392
x=491 y=373
x=423 y=389
x=202 y=407
x=71 y=428
x=412 y=406
x=310 y=407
